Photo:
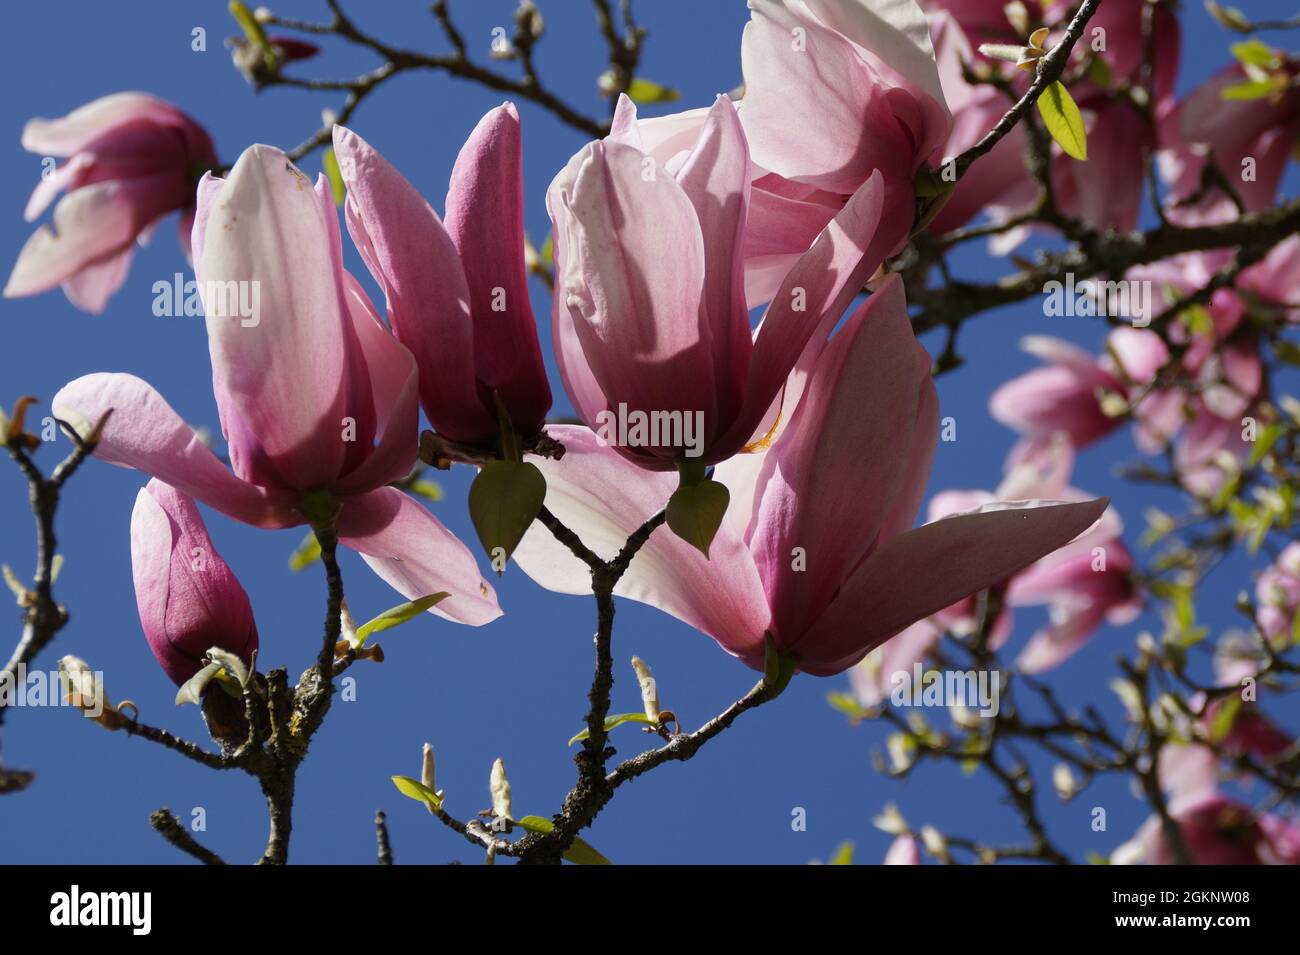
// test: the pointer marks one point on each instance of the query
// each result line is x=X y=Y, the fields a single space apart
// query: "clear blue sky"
x=515 y=689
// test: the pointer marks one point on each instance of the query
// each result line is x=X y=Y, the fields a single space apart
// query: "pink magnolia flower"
x=1217 y=830
x=816 y=547
x=649 y=314
x=1249 y=143
x=457 y=291
x=130 y=159
x=1065 y=395
x=1105 y=191
x=188 y=597
x=314 y=395
x=1223 y=359
x=836 y=91
x=1277 y=594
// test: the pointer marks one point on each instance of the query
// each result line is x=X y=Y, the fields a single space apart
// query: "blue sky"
x=515 y=689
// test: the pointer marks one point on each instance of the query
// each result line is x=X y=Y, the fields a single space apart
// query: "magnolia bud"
x=83 y=688
x=500 y=786
x=426 y=769
x=188 y=598
x=1064 y=782
x=934 y=842
x=649 y=691
x=890 y=820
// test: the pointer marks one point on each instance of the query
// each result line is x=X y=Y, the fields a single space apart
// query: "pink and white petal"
x=715 y=178
x=89 y=224
x=50 y=186
x=921 y=572
x=285 y=375
x=396 y=393
x=485 y=220
x=68 y=134
x=144 y=432
x=821 y=285
x=408 y=251
x=416 y=555
x=91 y=287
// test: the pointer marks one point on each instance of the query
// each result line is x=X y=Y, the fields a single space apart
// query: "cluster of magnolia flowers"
x=665 y=234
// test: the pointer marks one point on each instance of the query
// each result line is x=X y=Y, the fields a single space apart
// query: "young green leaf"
x=306 y=553
x=1253 y=89
x=503 y=501
x=1256 y=53
x=330 y=166
x=642 y=90
x=617 y=720
x=414 y=789
x=843 y=855
x=1063 y=120
x=396 y=616
x=579 y=853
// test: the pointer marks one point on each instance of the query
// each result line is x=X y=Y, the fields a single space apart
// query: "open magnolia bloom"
x=130 y=159
x=317 y=401
x=817 y=548
x=649 y=315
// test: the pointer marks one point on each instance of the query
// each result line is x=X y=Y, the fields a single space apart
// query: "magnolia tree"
x=752 y=440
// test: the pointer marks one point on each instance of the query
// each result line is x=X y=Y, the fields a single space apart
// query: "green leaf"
x=579 y=853
x=547 y=252
x=396 y=616
x=843 y=855
x=429 y=490
x=642 y=90
x=306 y=553
x=414 y=789
x=330 y=166
x=617 y=720
x=1265 y=440
x=1256 y=53
x=847 y=704
x=1224 y=718
x=1064 y=121
x=503 y=501
x=695 y=512
x=1252 y=89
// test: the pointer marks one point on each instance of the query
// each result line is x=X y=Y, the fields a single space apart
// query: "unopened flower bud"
x=500 y=786
x=188 y=598
x=934 y=842
x=1064 y=782
x=84 y=689
x=890 y=820
x=649 y=690
x=426 y=769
